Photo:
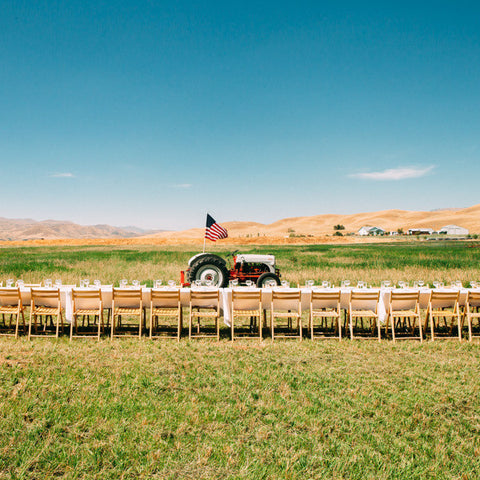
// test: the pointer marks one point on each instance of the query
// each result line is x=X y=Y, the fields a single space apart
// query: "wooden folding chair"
x=443 y=305
x=204 y=305
x=325 y=306
x=165 y=304
x=247 y=303
x=46 y=304
x=11 y=305
x=87 y=303
x=286 y=305
x=126 y=302
x=403 y=314
x=472 y=312
x=364 y=305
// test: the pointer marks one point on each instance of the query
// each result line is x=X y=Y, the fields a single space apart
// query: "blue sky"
x=152 y=113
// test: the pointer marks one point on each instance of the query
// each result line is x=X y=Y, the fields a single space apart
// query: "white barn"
x=453 y=230
x=421 y=231
x=364 y=231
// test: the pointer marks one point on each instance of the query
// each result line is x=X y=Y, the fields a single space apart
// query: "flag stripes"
x=213 y=230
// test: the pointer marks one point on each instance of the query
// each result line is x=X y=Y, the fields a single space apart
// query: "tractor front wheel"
x=267 y=279
x=210 y=269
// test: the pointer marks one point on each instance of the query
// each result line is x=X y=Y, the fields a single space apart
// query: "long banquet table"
x=226 y=298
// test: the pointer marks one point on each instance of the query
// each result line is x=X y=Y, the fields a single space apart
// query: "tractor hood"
x=252 y=258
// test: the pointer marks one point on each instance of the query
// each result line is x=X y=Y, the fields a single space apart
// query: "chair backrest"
x=205 y=298
x=473 y=298
x=165 y=298
x=246 y=299
x=442 y=299
x=364 y=300
x=10 y=296
x=46 y=297
x=290 y=294
x=127 y=297
x=403 y=300
x=325 y=299
x=286 y=299
x=87 y=298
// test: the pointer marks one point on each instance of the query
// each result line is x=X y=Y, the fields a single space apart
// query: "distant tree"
x=339 y=227
x=338 y=234
x=400 y=231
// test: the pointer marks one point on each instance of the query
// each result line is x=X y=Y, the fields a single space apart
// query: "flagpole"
x=204 y=240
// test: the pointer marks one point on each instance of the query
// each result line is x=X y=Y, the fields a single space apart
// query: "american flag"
x=214 y=231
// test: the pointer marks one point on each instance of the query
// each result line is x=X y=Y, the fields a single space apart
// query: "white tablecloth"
x=306 y=294
x=425 y=294
x=383 y=302
x=226 y=298
x=107 y=294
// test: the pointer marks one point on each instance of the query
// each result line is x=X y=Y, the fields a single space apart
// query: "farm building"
x=364 y=231
x=453 y=230
x=421 y=231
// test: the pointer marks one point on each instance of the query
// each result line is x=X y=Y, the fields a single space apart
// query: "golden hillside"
x=314 y=229
x=322 y=225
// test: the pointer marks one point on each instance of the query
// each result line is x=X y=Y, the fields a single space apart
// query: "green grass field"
x=133 y=409
x=447 y=261
x=198 y=410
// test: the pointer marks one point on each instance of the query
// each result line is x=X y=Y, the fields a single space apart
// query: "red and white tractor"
x=209 y=268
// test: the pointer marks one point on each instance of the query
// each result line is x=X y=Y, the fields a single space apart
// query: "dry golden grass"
x=173 y=240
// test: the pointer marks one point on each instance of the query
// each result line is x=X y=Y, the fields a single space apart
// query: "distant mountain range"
x=28 y=229
x=317 y=226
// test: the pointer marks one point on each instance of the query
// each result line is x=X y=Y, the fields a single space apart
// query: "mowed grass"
x=194 y=410
x=410 y=261
x=288 y=410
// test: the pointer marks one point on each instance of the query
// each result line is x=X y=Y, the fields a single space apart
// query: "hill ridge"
x=314 y=225
x=323 y=224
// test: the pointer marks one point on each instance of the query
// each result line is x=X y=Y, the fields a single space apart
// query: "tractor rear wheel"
x=266 y=279
x=211 y=268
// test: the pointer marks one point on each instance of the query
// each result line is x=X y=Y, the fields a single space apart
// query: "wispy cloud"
x=62 y=175
x=182 y=185
x=400 y=173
